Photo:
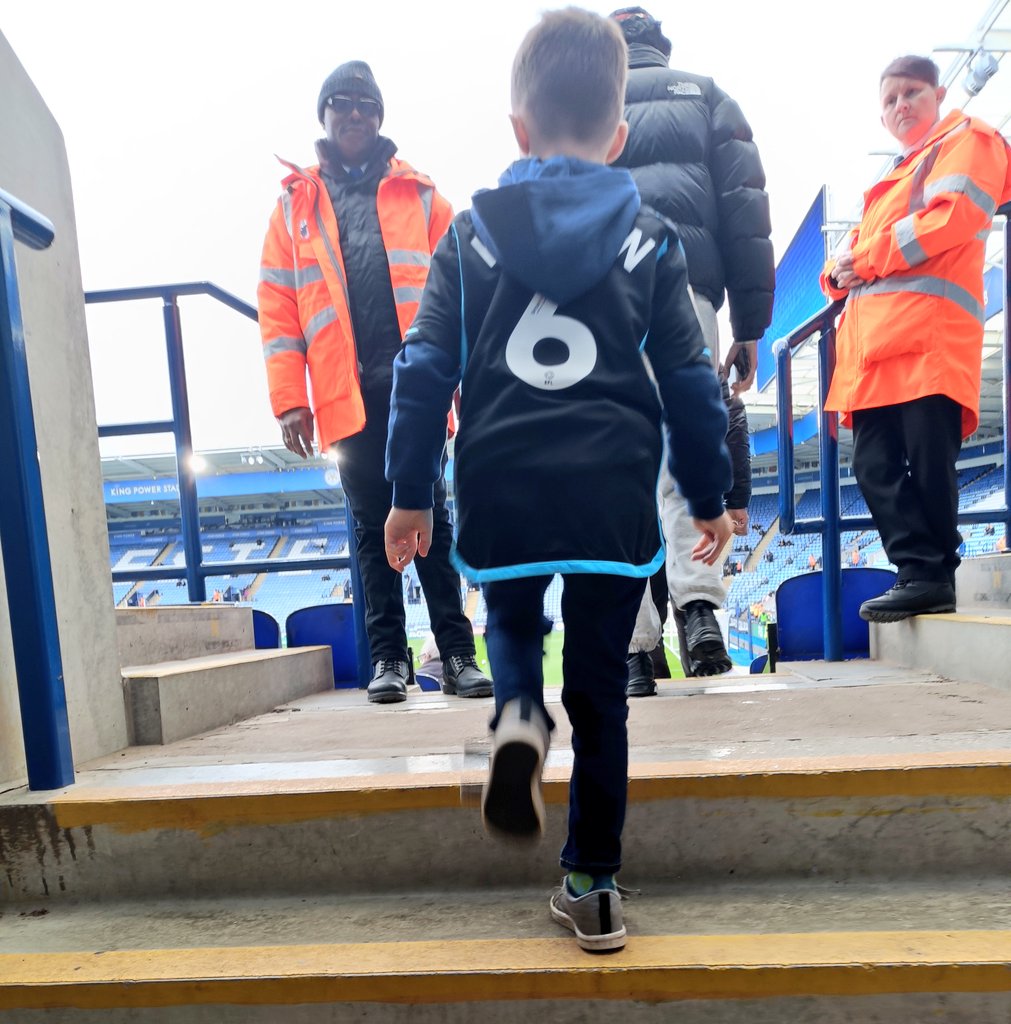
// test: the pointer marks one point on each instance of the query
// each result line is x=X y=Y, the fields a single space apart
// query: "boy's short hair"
x=569 y=76
x=922 y=69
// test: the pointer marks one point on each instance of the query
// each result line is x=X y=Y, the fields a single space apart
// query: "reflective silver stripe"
x=425 y=195
x=308 y=275
x=286 y=209
x=909 y=246
x=407 y=294
x=985 y=233
x=271 y=348
x=278 y=275
x=318 y=322
x=483 y=251
x=920 y=176
x=409 y=257
x=333 y=258
x=961 y=184
x=936 y=286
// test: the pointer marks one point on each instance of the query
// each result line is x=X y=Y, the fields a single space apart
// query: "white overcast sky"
x=172 y=114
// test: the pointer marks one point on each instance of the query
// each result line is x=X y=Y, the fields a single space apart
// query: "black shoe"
x=661 y=670
x=460 y=675
x=640 y=676
x=706 y=654
x=389 y=681
x=909 y=597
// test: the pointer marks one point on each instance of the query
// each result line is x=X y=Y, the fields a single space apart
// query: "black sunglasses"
x=343 y=105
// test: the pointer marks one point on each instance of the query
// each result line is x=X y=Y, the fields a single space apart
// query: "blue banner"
x=166 y=488
x=798 y=295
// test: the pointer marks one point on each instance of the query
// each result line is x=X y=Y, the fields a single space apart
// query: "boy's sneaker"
x=461 y=676
x=512 y=805
x=596 y=918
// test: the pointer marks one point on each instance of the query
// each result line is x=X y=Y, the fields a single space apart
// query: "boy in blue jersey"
x=545 y=302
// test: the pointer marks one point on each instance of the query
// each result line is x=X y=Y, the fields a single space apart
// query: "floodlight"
x=197 y=463
x=982 y=68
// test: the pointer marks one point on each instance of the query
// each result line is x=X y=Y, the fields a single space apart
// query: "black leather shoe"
x=706 y=654
x=907 y=598
x=640 y=676
x=460 y=675
x=389 y=681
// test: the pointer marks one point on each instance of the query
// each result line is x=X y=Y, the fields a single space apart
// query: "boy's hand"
x=408 y=533
x=715 y=534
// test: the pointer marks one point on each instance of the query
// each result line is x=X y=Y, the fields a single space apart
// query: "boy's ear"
x=521 y=133
x=617 y=143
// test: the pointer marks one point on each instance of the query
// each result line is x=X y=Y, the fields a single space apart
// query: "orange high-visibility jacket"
x=305 y=318
x=916 y=328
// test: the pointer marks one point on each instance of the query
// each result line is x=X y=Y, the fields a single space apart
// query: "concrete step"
x=147 y=636
x=842 y=817
x=984 y=584
x=784 y=950
x=172 y=700
x=970 y=646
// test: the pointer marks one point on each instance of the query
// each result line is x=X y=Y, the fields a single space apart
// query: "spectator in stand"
x=910 y=341
x=344 y=264
x=692 y=156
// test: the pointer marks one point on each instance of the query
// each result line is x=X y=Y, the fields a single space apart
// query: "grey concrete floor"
x=807 y=709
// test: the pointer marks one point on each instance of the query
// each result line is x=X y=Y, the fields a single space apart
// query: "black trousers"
x=904 y=461
x=362 y=463
x=599 y=614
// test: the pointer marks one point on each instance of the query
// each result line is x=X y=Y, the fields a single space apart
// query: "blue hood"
x=556 y=225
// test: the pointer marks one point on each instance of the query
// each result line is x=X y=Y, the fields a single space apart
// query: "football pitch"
x=552 y=657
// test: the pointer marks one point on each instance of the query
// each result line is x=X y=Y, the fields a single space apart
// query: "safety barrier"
x=27 y=567
x=195 y=571
x=831 y=524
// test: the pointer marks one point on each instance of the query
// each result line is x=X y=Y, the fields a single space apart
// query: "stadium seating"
x=755 y=584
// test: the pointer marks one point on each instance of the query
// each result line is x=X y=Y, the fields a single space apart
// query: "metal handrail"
x=831 y=523
x=31 y=601
x=194 y=570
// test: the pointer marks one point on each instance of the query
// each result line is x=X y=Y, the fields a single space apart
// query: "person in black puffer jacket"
x=693 y=158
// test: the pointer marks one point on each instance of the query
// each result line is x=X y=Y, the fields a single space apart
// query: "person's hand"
x=739 y=517
x=408 y=533
x=743 y=355
x=715 y=534
x=843 y=274
x=296 y=431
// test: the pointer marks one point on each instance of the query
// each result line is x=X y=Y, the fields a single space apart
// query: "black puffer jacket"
x=693 y=158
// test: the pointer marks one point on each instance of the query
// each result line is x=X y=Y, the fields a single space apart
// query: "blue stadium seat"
x=330 y=624
x=799 y=613
x=266 y=630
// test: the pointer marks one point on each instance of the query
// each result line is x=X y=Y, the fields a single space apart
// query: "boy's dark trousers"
x=362 y=463
x=904 y=459
x=599 y=615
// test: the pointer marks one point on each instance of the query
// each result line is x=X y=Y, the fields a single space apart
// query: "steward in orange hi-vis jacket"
x=910 y=340
x=345 y=261
x=305 y=318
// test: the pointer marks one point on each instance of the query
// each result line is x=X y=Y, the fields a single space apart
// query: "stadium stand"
x=759 y=561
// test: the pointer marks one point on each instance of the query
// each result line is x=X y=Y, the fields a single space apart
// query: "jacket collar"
x=642 y=55
x=947 y=124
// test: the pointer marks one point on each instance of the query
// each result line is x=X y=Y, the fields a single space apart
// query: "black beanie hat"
x=353 y=77
x=639 y=26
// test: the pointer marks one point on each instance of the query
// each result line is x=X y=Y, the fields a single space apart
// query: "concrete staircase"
x=190 y=668
x=829 y=843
